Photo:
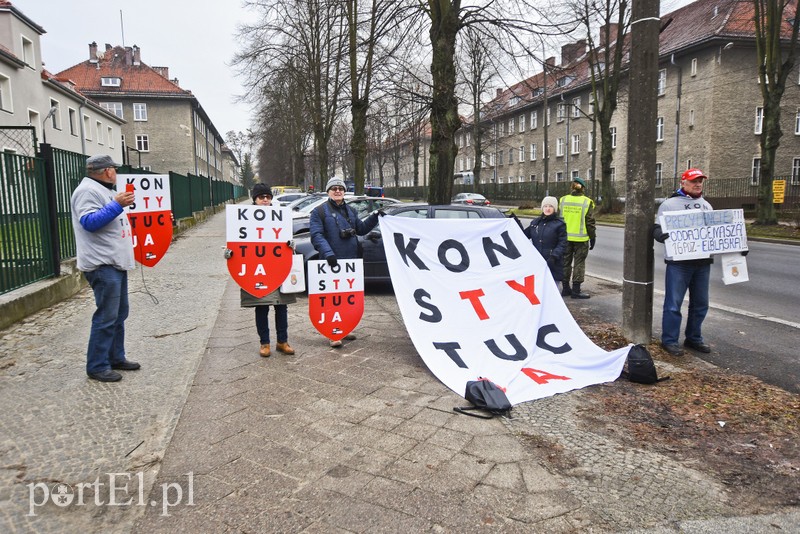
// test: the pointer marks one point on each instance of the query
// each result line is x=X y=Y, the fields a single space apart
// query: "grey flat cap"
x=100 y=162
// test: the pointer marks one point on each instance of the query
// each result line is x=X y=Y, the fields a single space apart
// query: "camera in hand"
x=347 y=233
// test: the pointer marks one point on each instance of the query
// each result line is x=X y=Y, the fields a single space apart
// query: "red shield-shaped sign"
x=150 y=215
x=257 y=236
x=335 y=297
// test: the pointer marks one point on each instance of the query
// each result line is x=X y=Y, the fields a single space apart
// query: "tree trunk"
x=445 y=121
x=770 y=141
x=358 y=144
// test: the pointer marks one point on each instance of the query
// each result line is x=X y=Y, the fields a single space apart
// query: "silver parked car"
x=470 y=199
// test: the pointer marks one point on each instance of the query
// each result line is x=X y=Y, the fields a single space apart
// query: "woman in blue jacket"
x=549 y=235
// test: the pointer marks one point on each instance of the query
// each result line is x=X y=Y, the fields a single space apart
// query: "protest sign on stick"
x=258 y=237
x=150 y=215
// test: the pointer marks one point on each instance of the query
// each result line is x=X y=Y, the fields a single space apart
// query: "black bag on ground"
x=641 y=368
x=485 y=395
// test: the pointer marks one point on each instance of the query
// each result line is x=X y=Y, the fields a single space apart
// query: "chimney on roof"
x=571 y=52
x=108 y=47
x=163 y=71
x=499 y=92
x=550 y=62
x=175 y=81
x=137 y=55
x=128 y=56
x=608 y=34
x=93 y=52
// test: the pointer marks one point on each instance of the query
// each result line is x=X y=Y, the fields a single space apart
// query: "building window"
x=98 y=127
x=533 y=151
x=143 y=143
x=55 y=120
x=755 y=176
x=691 y=118
x=113 y=107
x=534 y=117
x=576 y=108
x=510 y=156
x=547 y=116
x=87 y=130
x=589 y=142
x=576 y=144
x=613 y=174
x=140 y=112
x=533 y=177
x=591 y=106
x=694 y=66
x=576 y=174
x=5 y=93
x=659 y=174
x=110 y=81
x=521 y=154
x=500 y=158
x=559 y=176
x=562 y=82
x=613 y=132
x=561 y=112
x=521 y=124
x=110 y=137
x=73 y=121
x=559 y=147
x=469 y=139
x=759 y=120
x=660 y=129
x=28 y=55
x=491 y=159
x=662 y=82
x=796 y=171
x=797 y=122
x=33 y=120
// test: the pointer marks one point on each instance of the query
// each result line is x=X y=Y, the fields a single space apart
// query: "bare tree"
x=605 y=64
x=371 y=37
x=308 y=36
x=477 y=72
x=777 y=25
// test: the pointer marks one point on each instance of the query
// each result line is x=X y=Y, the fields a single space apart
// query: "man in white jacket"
x=105 y=255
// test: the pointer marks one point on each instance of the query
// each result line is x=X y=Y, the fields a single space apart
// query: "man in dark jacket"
x=334 y=226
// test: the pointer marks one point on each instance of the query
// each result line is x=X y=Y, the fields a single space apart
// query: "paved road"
x=772 y=292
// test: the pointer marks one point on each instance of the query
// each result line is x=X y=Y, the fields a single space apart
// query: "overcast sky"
x=194 y=38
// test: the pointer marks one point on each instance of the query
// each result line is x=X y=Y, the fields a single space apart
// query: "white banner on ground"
x=478 y=301
x=697 y=234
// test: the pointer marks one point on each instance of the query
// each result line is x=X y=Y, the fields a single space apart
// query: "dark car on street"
x=470 y=199
x=375 y=267
x=363 y=205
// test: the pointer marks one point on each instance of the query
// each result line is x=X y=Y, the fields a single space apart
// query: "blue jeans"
x=107 y=337
x=281 y=323
x=680 y=277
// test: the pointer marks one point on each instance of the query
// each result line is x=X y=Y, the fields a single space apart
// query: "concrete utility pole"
x=637 y=289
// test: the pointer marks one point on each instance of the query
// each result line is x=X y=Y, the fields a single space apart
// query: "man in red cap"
x=682 y=275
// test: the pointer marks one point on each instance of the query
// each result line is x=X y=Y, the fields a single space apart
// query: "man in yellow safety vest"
x=577 y=210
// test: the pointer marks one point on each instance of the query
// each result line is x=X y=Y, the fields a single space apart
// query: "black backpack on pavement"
x=487 y=396
x=641 y=368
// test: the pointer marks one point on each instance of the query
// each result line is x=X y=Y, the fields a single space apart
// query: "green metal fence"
x=35 y=218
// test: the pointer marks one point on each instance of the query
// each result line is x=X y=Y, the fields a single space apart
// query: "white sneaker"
x=336 y=344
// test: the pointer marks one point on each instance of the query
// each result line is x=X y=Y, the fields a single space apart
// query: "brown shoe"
x=284 y=348
x=264 y=350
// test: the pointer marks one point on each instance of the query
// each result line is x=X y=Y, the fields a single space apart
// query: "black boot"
x=576 y=291
x=565 y=291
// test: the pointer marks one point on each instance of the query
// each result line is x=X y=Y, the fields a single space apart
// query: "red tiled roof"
x=136 y=79
x=691 y=25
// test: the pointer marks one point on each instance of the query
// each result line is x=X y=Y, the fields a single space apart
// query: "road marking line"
x=713 y=305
